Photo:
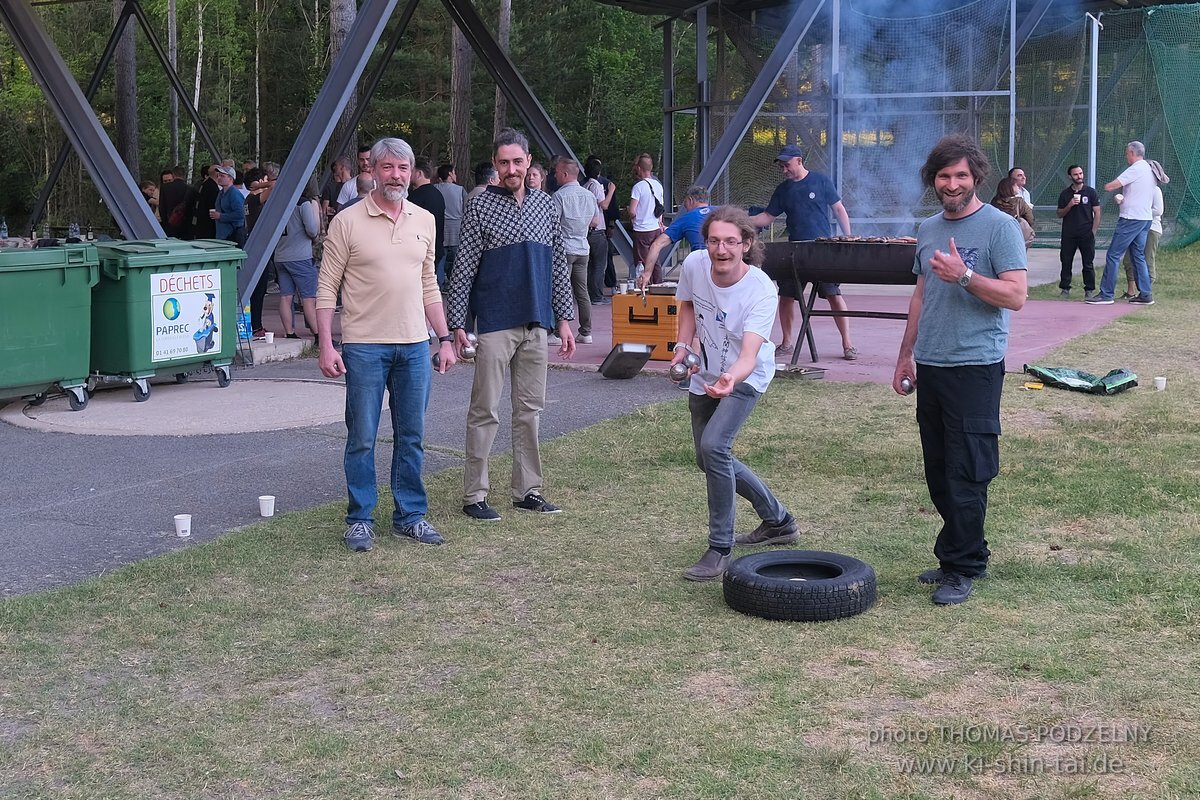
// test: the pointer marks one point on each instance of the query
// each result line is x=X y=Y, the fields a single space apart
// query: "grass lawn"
x=564 y=657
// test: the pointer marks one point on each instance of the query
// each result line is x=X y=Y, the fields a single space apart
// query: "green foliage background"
x=595 y=68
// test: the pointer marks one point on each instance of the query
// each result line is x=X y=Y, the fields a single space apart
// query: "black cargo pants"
x=958 y=415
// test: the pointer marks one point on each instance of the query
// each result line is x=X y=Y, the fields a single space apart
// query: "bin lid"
x=139 y=253
x=25 y=258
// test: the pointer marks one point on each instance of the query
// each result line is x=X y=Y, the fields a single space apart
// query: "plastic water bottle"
x=3 y=228
x=45 y=229
x=73 y=230
x=638 y=269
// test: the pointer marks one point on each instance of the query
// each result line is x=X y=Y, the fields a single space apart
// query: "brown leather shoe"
x=766 y=533
x=711 y=566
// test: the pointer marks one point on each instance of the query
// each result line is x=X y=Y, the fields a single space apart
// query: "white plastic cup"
x=1078 y=198
x=1160 y=383
x=625 y=287
x=266 y=505
x=270 y=337
x=183 y=525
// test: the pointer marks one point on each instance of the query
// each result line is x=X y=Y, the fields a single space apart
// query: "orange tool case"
x=651 y=319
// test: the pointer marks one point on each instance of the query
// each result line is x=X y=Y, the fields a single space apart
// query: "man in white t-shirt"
x=1137 y=183
x=349 y=190
x=645 y=213
x=730 y=307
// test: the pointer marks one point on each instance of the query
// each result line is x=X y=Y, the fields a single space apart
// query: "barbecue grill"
x=886 y=263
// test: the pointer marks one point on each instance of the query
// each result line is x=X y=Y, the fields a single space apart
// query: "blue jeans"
x=1130 y=234
x=404 y=370
x=715 y=424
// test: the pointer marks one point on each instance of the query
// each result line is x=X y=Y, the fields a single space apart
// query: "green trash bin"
x=163 y=307
x=46 y=321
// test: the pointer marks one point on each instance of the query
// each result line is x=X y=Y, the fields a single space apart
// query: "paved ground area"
x=85 y=492
x=74 y=505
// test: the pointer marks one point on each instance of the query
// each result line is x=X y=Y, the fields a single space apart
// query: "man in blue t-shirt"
x=686 y=226
x=970 y=269
x=806 y=197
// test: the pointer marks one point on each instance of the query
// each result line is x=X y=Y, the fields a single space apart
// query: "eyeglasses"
x=729 y=243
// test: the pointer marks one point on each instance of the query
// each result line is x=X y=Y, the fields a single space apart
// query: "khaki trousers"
x=521 y=352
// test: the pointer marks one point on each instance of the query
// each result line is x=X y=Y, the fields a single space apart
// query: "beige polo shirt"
x=384 y=270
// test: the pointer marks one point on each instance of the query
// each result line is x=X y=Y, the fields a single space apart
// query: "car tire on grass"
x=799 y=585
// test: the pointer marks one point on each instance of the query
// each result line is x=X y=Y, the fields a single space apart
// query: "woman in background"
x=294 y=261
x=1010 y=202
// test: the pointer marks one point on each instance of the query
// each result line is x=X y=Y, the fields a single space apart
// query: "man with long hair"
x=971 y=271
x=730 y=307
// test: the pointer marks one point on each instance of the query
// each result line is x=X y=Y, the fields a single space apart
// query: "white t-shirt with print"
x=724 y=315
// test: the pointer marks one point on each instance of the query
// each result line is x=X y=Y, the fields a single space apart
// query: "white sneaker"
x=585 y=338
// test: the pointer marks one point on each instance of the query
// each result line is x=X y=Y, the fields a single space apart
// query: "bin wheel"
x=37 y=399
x=224 y=378
x=181 y=377
x=141 y=391
x=78 y=398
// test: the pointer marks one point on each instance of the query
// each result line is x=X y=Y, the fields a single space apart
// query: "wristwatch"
x=966 y=277
x=445 y=338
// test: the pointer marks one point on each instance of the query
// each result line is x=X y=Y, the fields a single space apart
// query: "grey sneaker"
x=359 y=537
x=1066 y=293
x=583 y=338
x=766 y=533
x=712 y=565
x=420 y=531
x=1089 y=295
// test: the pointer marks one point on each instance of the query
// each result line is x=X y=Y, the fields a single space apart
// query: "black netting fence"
x=907 y=79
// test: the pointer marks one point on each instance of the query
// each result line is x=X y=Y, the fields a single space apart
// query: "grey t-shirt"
x=455 y=197
x=956 y=327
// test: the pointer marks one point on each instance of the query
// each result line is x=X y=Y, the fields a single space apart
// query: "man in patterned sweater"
x=511 y=271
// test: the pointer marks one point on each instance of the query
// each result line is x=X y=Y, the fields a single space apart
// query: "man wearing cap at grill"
x=806 y=197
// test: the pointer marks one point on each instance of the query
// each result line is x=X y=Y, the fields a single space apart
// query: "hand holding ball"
x=683 y=368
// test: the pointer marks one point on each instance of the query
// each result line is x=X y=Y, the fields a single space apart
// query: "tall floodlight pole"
x=1012 y=83
x=1092 y=97
x=835 y=87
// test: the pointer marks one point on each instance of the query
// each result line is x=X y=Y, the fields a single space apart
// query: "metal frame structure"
x=135 y=219
x=119 y=189
x=116 y=186
x=800 y=20
x=129 y=9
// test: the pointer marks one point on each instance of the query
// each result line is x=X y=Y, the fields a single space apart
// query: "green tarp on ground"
x=1079 y=381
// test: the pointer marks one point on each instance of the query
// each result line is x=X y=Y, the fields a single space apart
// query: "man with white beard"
x=380 y=254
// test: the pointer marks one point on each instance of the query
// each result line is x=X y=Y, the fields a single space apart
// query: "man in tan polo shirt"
x=379 y=253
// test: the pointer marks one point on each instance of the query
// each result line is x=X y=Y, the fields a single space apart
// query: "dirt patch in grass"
x=719 y=690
